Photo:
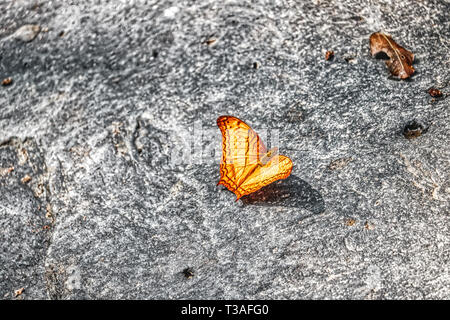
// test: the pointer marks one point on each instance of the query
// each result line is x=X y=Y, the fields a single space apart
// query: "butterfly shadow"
x=291 y=192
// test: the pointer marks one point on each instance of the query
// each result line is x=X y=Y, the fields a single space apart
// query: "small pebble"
x=413 y=129
x=19 y=292
x=27 y=32
x=26 y=179
x=435 y=93
x=7 y=82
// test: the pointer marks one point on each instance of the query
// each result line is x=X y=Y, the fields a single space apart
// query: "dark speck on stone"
x=435 y=93
x=188 y=273
x=413 y=129
x=7 y=81
x=329 y=55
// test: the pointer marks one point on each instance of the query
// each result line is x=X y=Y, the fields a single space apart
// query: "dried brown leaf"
x=400 y=60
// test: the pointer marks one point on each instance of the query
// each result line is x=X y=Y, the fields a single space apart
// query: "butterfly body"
x=246 y=164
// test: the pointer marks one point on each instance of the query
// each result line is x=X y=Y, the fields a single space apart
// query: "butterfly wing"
x=241 y=150
x=279 y=167
x=241 y=170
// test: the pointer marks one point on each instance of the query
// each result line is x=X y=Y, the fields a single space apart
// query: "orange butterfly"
x=246 y=164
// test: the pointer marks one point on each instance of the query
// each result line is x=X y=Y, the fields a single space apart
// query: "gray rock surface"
x=112 y=104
